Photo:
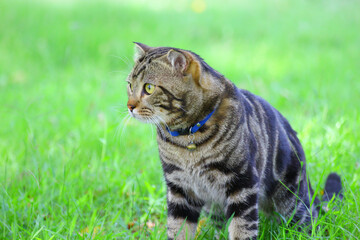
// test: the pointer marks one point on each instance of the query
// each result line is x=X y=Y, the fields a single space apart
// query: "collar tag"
x=191 y=146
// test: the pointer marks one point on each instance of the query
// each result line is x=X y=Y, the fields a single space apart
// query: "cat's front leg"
x=242 y=207
x=182 y=214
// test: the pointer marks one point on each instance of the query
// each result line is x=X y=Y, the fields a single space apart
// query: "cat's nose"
x=131 y=107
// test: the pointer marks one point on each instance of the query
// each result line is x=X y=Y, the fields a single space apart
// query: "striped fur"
x=248 y=158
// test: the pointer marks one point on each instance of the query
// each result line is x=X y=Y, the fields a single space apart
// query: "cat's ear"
x=140 y=50
x=199 y=76
x=177 y=60
x=186 y=64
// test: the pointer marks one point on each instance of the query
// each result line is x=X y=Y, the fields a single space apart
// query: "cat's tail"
x=332 y=187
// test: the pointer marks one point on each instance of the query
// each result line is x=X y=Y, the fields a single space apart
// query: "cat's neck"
x=192 y=128
x=198 y=116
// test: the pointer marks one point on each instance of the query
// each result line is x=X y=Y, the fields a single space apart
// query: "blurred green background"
x=73 y=167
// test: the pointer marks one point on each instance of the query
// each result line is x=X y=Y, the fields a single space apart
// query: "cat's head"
x=171 y=86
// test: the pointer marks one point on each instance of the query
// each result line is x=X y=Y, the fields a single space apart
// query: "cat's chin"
x=143 y=119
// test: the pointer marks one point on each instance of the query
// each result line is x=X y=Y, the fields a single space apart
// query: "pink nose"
x=131 y=107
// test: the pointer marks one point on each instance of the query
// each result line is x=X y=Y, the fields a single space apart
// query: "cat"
x=223 y=150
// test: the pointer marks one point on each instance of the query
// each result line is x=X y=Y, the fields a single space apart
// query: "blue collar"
x=194 y=128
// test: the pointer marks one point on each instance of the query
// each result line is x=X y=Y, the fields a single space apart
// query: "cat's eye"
x=130 y=86
x=149 y=88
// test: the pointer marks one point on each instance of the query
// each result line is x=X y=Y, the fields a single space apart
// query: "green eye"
x=149 y=88
x=131 y=87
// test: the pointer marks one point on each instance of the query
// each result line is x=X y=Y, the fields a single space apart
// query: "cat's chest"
x=206 y=186
x=194 y=177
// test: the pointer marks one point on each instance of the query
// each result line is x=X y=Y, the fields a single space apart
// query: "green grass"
x=69 y=168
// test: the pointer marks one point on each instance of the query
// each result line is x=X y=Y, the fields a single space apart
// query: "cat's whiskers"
x=121 y=108
x=122 y=127
x=183 y=109
x=152 y=128
x=123 y=112
x=157 y=125
x=126 y=61
x=152 y=120
x=162 y=121
x=123 y=115
x=119 y=71
x=119 y=126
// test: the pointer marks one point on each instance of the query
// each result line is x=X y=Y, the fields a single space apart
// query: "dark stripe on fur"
x=169 y=168
x=183 y=211
x=229 y=133
x=252 y=215
x=239 y=182
x=169 y=94
x=238 y=208
x=252 y=227
x=177 y=190
x=219 y=166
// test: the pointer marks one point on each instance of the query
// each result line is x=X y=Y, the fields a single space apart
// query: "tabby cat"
x=222 y=149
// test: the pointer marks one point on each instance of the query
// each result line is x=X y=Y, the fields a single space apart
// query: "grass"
x=70 y=168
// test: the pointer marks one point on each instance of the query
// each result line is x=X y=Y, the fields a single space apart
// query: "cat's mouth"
x=145 y=116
